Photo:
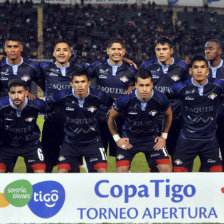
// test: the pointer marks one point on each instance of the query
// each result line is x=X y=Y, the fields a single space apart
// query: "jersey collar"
x=7 y=62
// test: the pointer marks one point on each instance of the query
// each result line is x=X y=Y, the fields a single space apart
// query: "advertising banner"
x=112 y=198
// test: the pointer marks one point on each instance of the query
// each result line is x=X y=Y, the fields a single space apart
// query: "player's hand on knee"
x=124 y=143
x=160 y=143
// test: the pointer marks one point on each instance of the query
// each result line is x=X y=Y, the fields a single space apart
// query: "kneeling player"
x=82 y=138
x=141 y=110
x=20 y=132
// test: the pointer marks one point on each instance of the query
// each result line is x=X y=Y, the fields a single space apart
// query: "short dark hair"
x=13 y=37
x=17 y=82
x=198 y=58
x=62 y=41
x=143 y=74
x=164 y=40
x=80 y=73
x=218 y=42
x=116 y=40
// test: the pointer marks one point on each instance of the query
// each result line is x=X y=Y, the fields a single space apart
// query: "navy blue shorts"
x=94 y=154
x=125 y=157
x=33 y=154
x=187 y=149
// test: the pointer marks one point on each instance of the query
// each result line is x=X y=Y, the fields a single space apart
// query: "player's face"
x=199 y=72
x=13 y=49
x=116 y=53
x=62 y=53
x=80 y=85
x=18 y=94
x=164 y=53
x=144 y=88
x=212 y=51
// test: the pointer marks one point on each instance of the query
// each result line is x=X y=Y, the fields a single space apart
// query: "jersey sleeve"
x=120 y=104
x=91 y=69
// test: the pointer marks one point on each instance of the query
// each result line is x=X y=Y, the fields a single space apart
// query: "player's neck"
x=14 y=61
x=61 y=64
x=215 y=62
x=167 y=62
x=201 y=82
x=115 y=62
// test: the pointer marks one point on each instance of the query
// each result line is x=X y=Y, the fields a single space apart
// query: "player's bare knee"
x=164 y=168
x=122 y=169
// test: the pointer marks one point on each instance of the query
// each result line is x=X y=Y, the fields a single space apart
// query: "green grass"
x=139 y=164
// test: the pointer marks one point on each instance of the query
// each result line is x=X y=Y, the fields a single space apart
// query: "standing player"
x=20 y=132
x=82 y=110
x=114 y=77
x=140 y=134
x=57 y=76
x=166 y=71
x=16 y=66
x=200 y=98
x=213 y=51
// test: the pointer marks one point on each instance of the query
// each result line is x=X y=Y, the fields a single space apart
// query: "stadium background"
x=88 y=24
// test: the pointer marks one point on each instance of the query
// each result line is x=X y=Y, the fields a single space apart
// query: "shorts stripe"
x=64 y=166
x=2 y=166
x=163 y=161
x=100 y=165
x=39 y=166
x=217 y=168
x=122 y=163
x=103 y=154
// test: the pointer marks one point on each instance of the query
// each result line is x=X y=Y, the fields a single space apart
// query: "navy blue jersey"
x=26 y=70
x=164 y=77
x=55 y=81
x=19 y=126
x=113 y=80
x=141 y=116
x=199 y=107
x=216 y=72
x=82 y=116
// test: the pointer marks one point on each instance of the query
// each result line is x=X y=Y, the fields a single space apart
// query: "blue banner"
x=210 y=1
x=172 y=1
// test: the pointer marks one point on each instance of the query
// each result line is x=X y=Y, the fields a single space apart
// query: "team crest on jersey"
x=29 y=119
x=25 y=78
x=212 y=96
x=153 y=112
x=175 y=77
x=120 y=156
x=92 y=109
x=124 y=79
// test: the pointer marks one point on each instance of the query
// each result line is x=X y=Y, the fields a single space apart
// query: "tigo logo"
x=48 y=198
x=45 y=199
